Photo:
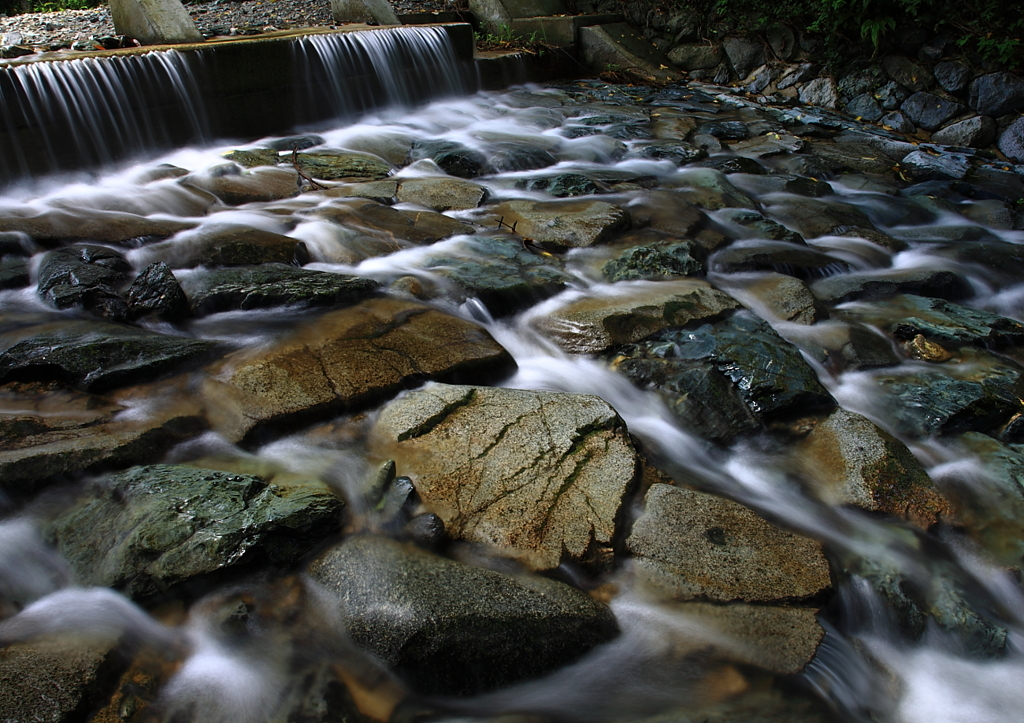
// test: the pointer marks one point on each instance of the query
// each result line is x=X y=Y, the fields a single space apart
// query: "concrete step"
x=620 y=48
x=495 y=14
x=561 y=31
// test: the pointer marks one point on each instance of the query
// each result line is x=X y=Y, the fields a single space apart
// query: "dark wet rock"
x=347 y=359
x=996 y=94
x=93 y=355
x=235 y=186
x=656 y=262
x=859 y=82
x=855 y=157
x=952 y=75
x=561 y=225
x=1011 y=141
x=990 y=501
x=848 y=460
x=295 y=143
x=812 y=218
x=55 y=431
x=744 y=54
x=864 y=106
x=425 y=618
x=785 y=258
x=14 y=272
x=763 y=375
x=878 y=238
x=759 y=226
x=725 y=130
x=767 y=145
x=943 y=322
x=156 y=291
x=454 y=158
x=504 y=274
x=272 y=284
x=670 y=124
x=867 y=286
x=923 y=166
x=229 y=246
x=592 y=324
x=53 y=683
x=148 y=529
x=897 y=122
x=937 y=597
x=547 y=476
x=732 y=164
x=989 y=182
x=695 y=56
x=254 y=157
x=343 y=165
x=977 y=132
x=441 y=194
x=678 y=152
x=690 y=545
x=761 y=78
x=982 y=397
x=820 y=92
x=796 y=74
x=504 y=157
x=891 y=95
x=990 y=212
x=84 y=275
x=562 y=185
x=930 y=111
x=908 y=73
x=851 y=346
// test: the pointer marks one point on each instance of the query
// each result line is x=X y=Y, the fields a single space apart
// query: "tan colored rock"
x=236 y=186
x=442 y=193
x=779 y=639
x=345 y=360
x=691 y=545
x=593 y=324
x=561 y=225
x=226 y=246
x=848 y=460
x=383 y=221
x=59 y=225
x=50 y=683
x=789 y=298
x=539 y=474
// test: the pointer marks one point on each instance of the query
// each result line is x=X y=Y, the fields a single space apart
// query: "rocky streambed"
x=586 y=402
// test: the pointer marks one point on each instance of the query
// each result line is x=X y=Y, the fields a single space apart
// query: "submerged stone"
x=454 y=158
x=655 y=263
x=946 y=285
x=778 y=256
x=268 y=285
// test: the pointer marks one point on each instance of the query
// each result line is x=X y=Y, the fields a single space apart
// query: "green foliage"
x=980 y=26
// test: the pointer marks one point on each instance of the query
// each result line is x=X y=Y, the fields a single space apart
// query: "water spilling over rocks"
x=586 y=402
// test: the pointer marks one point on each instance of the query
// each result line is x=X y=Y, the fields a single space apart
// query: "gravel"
x=85 y=29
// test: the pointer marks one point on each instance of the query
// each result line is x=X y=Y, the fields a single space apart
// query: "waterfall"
x=92 y=112
x=344 y=74
x=96 y=111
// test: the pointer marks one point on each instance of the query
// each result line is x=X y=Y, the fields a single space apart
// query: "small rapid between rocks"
x=582 y=402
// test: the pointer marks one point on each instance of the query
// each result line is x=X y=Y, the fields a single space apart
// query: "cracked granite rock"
x=540 y=474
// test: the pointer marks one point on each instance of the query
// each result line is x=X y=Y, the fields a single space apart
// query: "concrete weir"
x=59 y=113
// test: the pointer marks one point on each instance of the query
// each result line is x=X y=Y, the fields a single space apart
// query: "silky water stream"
x=911 y=329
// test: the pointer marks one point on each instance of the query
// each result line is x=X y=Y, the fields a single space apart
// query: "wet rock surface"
x=444 y=625
x=766 y=322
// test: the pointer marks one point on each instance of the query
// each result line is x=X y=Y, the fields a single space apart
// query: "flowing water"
x=866 y=668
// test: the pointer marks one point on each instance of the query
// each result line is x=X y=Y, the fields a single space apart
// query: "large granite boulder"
x=347 y=359
x=848 y=460
x=539 y=475
x=154 y=22
x=447 y=628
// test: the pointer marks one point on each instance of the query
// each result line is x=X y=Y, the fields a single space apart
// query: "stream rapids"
x=810 y=359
